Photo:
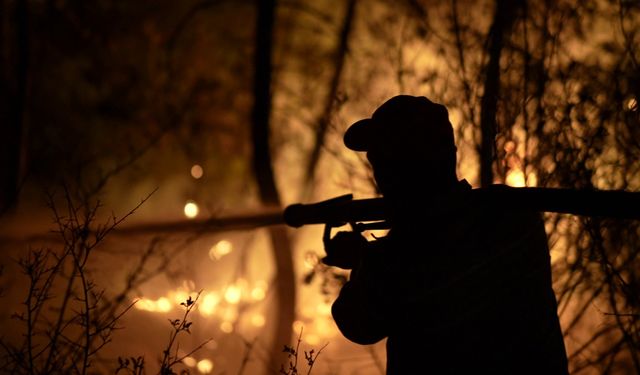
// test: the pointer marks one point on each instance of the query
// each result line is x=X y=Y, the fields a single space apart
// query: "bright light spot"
x=233 y=294
x=205 y=366
x=196 y=171
x=209 y=303
x=191 y=209
x=510 y=146
x=189 y=361
x=258 y=320
x=224 y=247
x=324 y=309
x=515 y=177
x=258 y=294
x=555 y=254
x=310 y=260
x=160 y=305
x=145 y=304
x=163 y=304
x=632 y=104
x=226 y=327
x=220 y=249
x=180 y=296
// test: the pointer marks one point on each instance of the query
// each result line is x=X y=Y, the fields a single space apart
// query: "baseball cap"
x=403 y=122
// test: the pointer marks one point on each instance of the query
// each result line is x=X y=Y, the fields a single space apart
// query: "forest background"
x=179 y=112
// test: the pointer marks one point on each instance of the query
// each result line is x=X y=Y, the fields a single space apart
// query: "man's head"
x=407 y=138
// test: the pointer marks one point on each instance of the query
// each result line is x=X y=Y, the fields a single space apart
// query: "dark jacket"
x=457 y=287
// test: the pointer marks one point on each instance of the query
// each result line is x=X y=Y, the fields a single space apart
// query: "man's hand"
x=344 y=250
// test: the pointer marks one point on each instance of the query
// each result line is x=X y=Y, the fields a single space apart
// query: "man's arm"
x=358 y=311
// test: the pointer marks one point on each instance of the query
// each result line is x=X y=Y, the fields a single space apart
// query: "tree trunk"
x=281 y=245
x=503 y=20
x=13 y=86
x=323 y=122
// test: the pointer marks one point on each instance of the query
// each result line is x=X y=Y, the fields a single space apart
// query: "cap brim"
x=359 y=136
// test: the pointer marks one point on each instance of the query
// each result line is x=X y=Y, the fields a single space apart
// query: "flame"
x=515 y=177
x=210 y=302
x=179 y=296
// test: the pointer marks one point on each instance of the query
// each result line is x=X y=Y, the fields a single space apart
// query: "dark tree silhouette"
x=14 y=67
x=262 y=164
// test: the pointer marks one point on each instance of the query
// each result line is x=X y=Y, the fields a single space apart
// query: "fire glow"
x=226 y=305
x=191 y=210
x=209 y=303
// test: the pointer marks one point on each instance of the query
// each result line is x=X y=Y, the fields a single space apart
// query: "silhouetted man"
x=457 y=286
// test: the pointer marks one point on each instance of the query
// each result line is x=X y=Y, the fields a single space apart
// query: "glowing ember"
x=205 y=366
x=632 y=104
x=162 y=304
x=510 y=146
x=189 y=361
x=220 y=303
x=515 y=177
x=233 y=294
x=196 y=171
x=191 y=210
x=209 y=303
x=258 y=293
x=220 y=249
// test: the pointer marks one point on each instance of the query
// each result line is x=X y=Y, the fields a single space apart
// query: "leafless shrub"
x=65 y=319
